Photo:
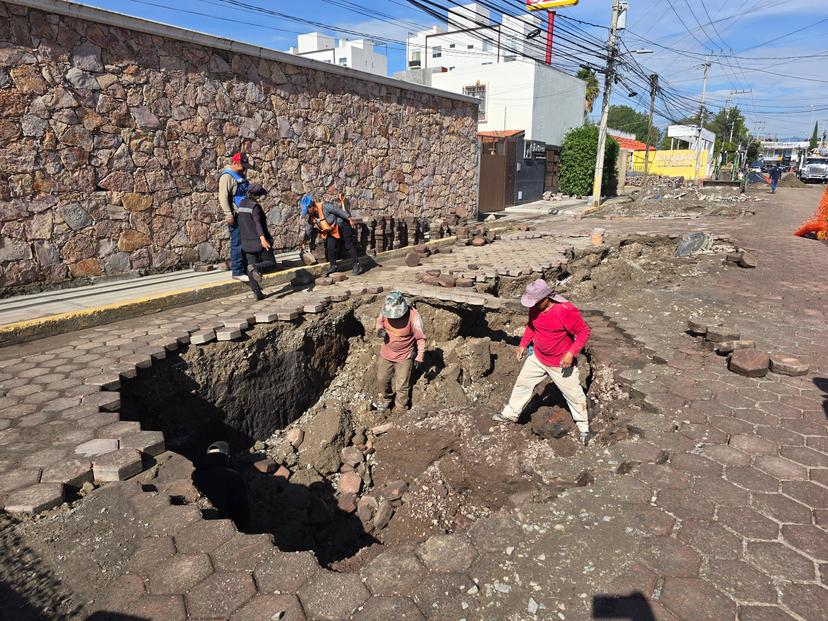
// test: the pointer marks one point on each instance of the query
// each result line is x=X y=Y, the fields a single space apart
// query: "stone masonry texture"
x=112 y=140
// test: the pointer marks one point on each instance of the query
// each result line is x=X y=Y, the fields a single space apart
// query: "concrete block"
x=117 y=465
x=148 y=442
x=35 y=498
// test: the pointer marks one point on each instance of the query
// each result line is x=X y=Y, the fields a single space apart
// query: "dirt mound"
x=791 y=181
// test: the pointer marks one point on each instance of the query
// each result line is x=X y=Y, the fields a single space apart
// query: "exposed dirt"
x=682 y=202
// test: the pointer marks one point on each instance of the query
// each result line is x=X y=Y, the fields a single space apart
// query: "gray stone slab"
x=35 y=498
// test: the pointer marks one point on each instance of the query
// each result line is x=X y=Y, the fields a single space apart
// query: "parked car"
x=755 y=167
x=814 y=169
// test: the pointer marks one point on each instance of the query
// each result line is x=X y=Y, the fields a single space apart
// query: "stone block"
x=179 y=573
x=269 y=607
x=71 y=472
x=313 y=308
x=393 y=573
x=107 y=381
x=119 y=429
x=35 y=498
x=295 y=435
x=719 y=334
x=784 y=364
x=446 y=281
x=287 y=315
x=749 y=362
x=93 y=448
x=265 y=466
x=148 y=442
x=117 y=465
x=228 y=335
x=203 y=337
x=447 y=553
x=324 y=281
x=331 y=596
x=338 y=277
x=726 y=347
x=352 y=456
x=265 y=317
x=412 y=259
x=350 y=483
x=106 y=401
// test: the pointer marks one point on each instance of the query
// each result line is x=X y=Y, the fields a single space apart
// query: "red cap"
x=239 y=158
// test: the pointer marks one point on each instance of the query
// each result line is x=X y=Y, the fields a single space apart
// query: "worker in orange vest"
x=333 y=224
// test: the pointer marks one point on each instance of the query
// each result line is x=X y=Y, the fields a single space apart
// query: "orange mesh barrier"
x=818 y=224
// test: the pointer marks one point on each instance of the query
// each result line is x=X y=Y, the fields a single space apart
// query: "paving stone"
x=752 y=479
x=168 y=519
x=152 y=552
x=763 y=613
x=780 y=468
x=157 y=608
x=118 y=429
x=696 y=465
x=808 y=539
x=442 y=595
x=147 y=442
x=685 y=504
x=753 y=445
x=805 y=456
x=719 y=333
x=106 y=401
x=220 y=594
x=116 y=465
x=813 y=495
x=106 y=381
x=385 y=608
x=71 y=472
x=749 y=362
x=203 y=337
x=447 y=553
x=242 y=552
x=285 y=572
x=332 y=596
x=669 y=557
x=720 y=492
x=779 y=561
x=710 y=539
x=392 y=573
x=270 y=607
x=647 y=519
x=19 y=477
x=662 y=476
x=35 y=498
x=179 y=573
x=740 y=580
x=681 y=595
x=204 y=536
x=123 y=591
x=809 y=601
x=781 y=508
x=784 y=364
x=228 y=334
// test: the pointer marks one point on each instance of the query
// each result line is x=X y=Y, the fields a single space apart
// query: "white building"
x=784 y=153
x=357 y=54
x=476 y=56
x=702 y=140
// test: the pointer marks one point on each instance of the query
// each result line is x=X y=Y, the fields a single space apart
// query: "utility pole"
x=653 y=91
x=618 y=7
x=701 y=120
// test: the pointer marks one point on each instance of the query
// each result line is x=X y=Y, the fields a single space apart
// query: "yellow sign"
x=542 y=5
x=676 y=163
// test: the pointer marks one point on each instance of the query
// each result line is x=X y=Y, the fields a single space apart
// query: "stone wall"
x=111 y=140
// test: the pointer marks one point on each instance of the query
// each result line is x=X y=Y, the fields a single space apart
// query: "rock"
x=324 y=281
x=366 y=508
x=383 y=515
x=75 y=216
x=719 y=334
x=338 y=277
x=747 y=260
x=490 y=218
x=116 y=465
x=295 y=435
x=447 y=553
x=725 y=347
x=350 y=483
x=352 y=456
x=464 y=282
x=82 y=80
x=144 y=117
x=381 y=429
x=749 y=362
x=551 y=422
x=302 y=278
x=446 y=281
x=265 y=466
x=308 y=259
x=394 y=490
x=479 y=241
x=282 y=473
x=412 y=259
x=136 y=202
x=347 y=503
x=35 y=498
x=325 y=436
x=783 y=364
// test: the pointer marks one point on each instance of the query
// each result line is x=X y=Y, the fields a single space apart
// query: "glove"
x=418 y=364
x=381 y=333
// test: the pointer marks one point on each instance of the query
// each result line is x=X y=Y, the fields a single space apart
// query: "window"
x=451 y=45
x=478 y=91
x=509 y=58
x=343 y=62
x=415 y=59
x=487 y=46
x=470 y=46
x=436 y=51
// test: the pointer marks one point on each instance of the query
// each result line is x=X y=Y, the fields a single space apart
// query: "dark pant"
x=774 y=183
x=263 y=261
x=236 y=255
x=332 y=244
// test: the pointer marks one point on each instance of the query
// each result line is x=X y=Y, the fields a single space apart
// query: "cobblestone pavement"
x=718 y=512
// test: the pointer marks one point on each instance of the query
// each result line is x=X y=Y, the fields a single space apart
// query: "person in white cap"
x=555 y=335
x=403 y=346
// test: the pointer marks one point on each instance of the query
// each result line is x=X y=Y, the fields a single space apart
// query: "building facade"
x=359 y=54
x=784 y=153
x=490 y=61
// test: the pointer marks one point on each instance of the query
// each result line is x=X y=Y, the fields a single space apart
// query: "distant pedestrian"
x=216 y=478
x=232 y=190
x=256 y=241
x=333 y=224
x=556 y=334
x=775 y=176
x=403 y=347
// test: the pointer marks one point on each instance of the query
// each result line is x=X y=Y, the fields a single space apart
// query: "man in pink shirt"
x=556 y=334
x=401 y=329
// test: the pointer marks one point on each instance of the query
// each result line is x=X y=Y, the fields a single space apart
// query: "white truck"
x=814 y=169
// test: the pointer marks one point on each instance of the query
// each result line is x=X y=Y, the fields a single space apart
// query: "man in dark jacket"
x=221 y=483
x=775 y=176
x=256 y=241
x=333 y=224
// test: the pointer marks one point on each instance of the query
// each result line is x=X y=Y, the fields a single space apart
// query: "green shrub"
x=578 y=162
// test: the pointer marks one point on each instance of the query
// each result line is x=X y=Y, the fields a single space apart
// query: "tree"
x=592 y=90
x=753 y=151
x=580 y=146
x=814 y=138
x=626 y=119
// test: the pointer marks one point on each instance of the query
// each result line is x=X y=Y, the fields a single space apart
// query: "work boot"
x=241 y=277
x=332 y=269
x=499 y=418
x=259 y=296
x=585 y=437
x=358 y=269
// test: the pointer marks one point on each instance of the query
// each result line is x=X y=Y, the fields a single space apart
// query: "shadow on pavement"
x=634 y=607
x=822 y=384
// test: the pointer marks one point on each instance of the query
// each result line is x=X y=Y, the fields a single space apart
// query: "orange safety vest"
x=318 y=220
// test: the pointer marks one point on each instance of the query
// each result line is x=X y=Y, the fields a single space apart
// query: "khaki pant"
x=400 y=372
x=567 y=380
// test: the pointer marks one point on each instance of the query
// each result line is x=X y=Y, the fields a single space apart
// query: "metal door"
x=493 y=177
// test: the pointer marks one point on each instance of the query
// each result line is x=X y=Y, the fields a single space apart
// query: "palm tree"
x=592 y=90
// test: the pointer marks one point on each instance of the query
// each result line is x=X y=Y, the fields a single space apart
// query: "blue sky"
x=786 y=73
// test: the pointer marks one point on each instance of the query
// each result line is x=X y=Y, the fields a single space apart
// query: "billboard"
x=543 y=5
